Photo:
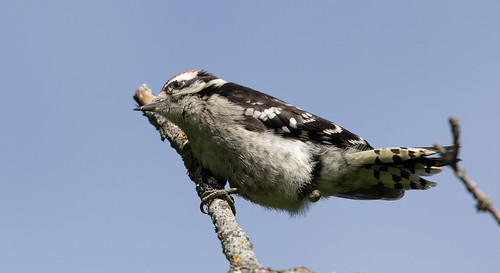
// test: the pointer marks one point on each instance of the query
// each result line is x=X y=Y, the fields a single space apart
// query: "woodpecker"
x=280 y=156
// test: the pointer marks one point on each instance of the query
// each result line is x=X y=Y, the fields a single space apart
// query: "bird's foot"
x=224 y=194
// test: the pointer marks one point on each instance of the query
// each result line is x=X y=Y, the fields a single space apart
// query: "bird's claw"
x=224 y=194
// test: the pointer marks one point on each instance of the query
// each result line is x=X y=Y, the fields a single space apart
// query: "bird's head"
x=185 y=84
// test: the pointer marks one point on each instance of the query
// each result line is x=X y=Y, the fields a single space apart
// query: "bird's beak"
x=153 y=107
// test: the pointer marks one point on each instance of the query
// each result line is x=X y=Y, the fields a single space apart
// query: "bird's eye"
x=178 y=84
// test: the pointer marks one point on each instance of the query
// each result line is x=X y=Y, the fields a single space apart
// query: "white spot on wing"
x=307 y=115
x=249 y=112
x=285 y=129
x=263 y=116
x=270 y=113
x=293 y=123
x=309 y=120
x=337 y=130
x=357 y=141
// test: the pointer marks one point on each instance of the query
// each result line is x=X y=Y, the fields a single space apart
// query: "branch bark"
x=450 y=157
x=235 y=243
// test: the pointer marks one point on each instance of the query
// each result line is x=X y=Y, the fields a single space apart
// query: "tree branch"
x=235 y=242
x=450 y=157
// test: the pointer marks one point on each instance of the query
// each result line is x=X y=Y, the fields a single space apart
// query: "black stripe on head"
x=205 y=76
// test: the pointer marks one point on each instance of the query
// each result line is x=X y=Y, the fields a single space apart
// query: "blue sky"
x=87 y=185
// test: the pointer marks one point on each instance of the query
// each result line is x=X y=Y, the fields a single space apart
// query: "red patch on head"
x=190 y=71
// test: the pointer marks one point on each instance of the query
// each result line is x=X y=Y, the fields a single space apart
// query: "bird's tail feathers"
x=398 y=167
x=393 y=177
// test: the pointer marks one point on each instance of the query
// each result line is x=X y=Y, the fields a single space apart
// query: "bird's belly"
x=269 y=170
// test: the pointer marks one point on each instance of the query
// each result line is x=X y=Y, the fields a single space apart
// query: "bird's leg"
x=212 y=188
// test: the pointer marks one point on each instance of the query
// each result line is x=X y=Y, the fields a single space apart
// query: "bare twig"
x=450 y=157
x=235 y=242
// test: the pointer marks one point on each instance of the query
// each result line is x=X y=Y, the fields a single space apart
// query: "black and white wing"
x=264 y=112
